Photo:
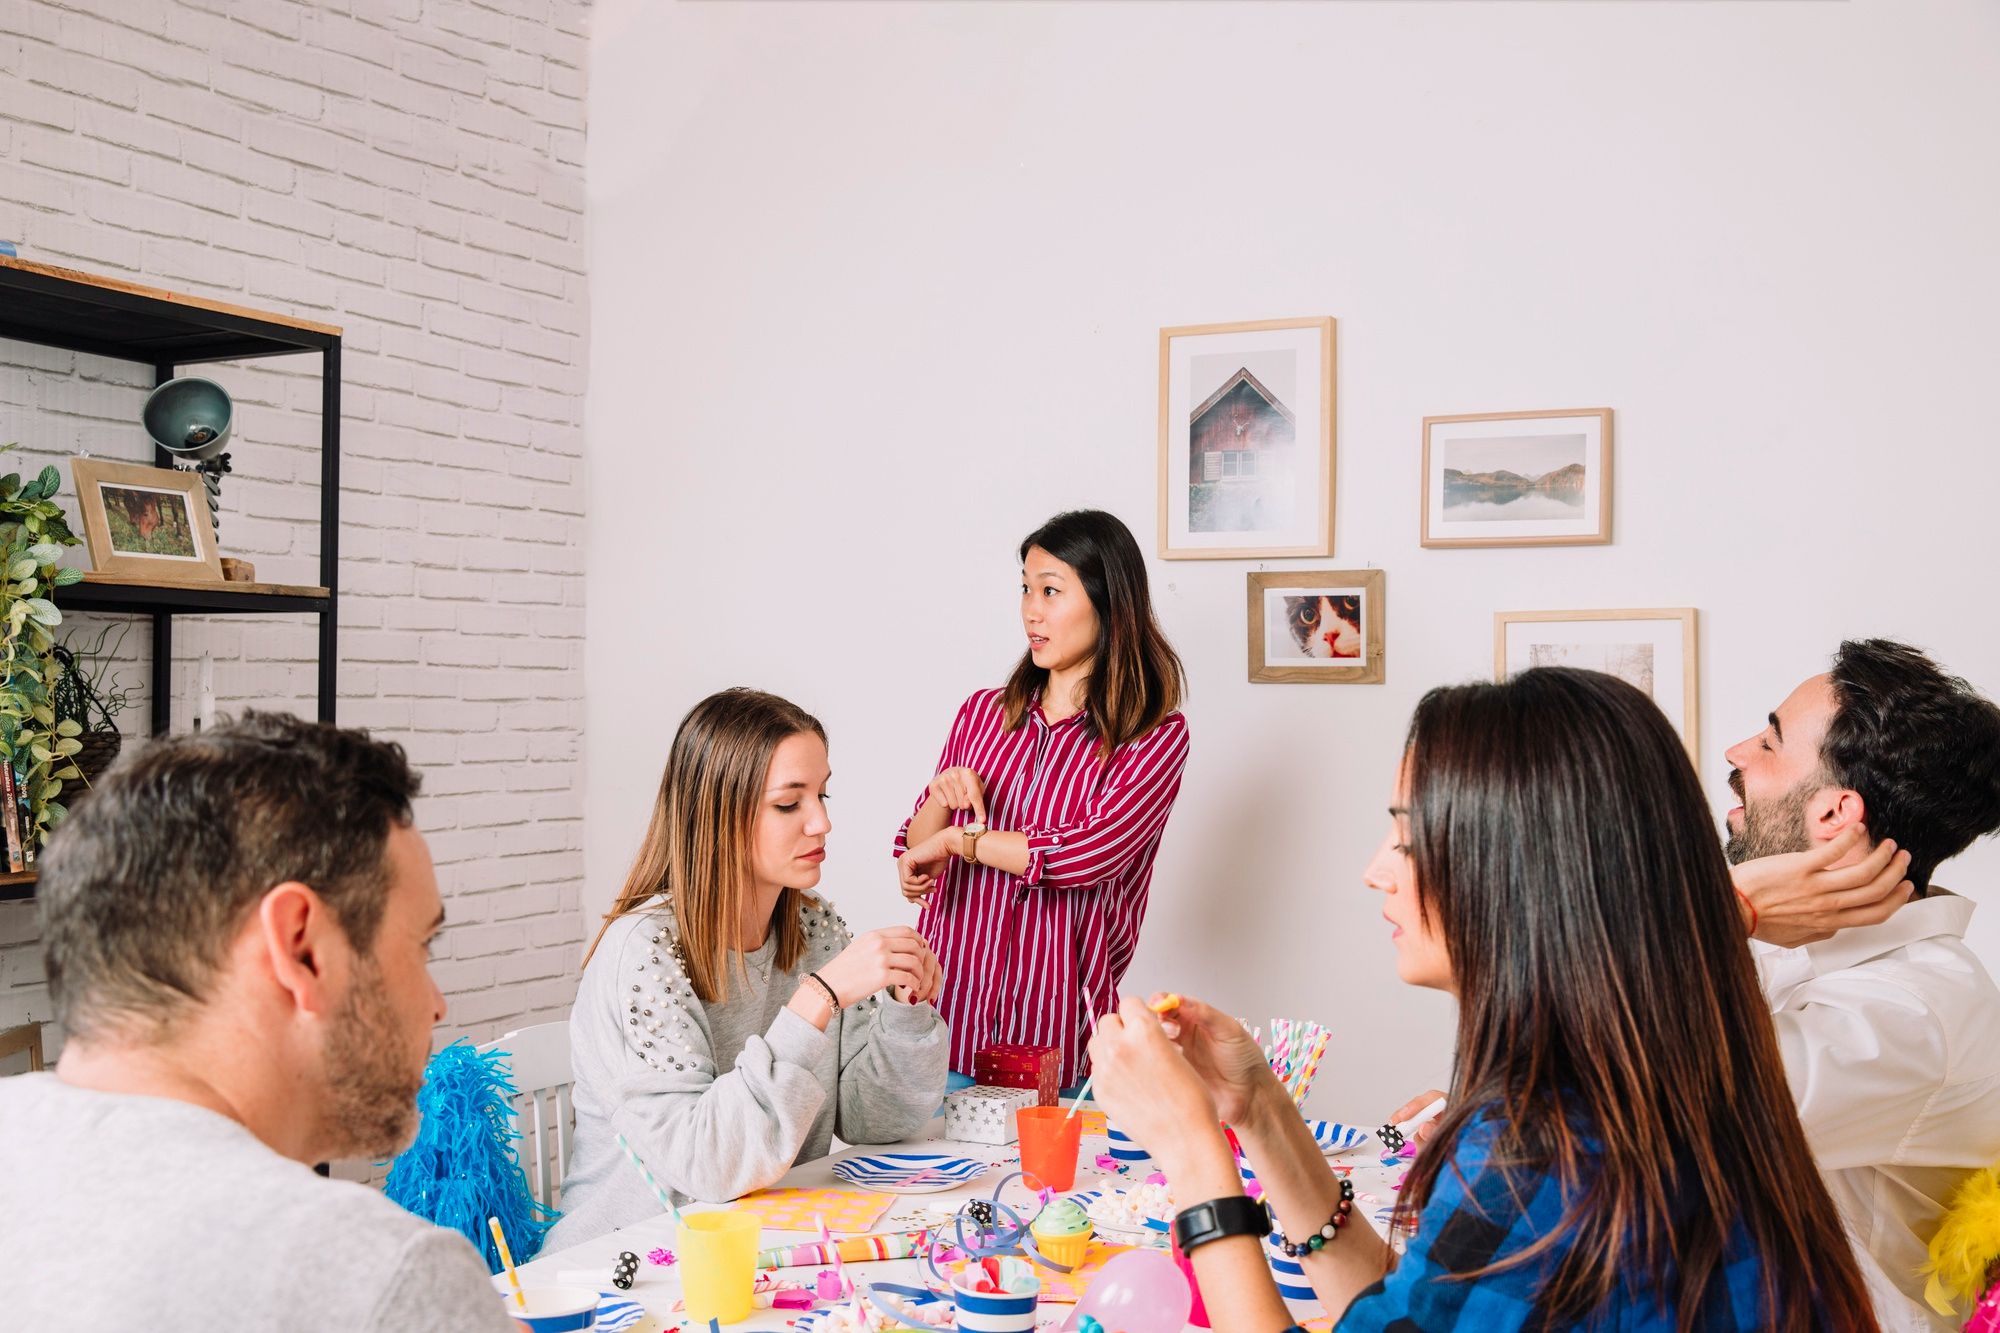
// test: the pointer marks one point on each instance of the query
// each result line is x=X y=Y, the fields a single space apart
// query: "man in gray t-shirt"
x=235 y=926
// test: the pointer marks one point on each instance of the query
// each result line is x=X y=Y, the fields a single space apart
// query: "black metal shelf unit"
x=167 y=330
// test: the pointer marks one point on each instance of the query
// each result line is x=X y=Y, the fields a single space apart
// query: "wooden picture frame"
x=1267 y=388
x=1522 y=461
x=1288 y=643
x=128 y=507
x=1672 y=683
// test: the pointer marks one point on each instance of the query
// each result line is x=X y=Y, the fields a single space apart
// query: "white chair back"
x=543 y=1111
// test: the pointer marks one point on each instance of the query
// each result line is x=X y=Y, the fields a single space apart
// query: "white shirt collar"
x=1940 y=913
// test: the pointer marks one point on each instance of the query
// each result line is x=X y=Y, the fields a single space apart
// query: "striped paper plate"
x=909 y=1173
x=1333 y=1137
x=617 y=1312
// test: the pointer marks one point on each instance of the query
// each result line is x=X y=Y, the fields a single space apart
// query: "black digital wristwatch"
x=1218 y=1218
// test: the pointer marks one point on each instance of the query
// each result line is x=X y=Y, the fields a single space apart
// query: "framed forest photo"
x=146 y=522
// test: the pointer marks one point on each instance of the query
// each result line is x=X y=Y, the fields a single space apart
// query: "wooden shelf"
x=145 y=596
x=17 y=885
x=88 y=312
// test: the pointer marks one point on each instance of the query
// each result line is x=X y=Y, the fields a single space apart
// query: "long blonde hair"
x=697 y=846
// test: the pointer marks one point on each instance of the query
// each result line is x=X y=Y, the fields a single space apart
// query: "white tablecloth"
x=659 y=1289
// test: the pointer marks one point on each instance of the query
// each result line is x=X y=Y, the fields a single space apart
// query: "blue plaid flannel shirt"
x=1475 y=1216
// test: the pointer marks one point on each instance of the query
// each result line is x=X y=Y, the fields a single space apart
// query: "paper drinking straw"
x=500 y=1239
x=666 y=1200
x=1081 y=1093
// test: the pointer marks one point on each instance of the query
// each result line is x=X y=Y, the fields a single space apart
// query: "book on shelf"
x=16 y=862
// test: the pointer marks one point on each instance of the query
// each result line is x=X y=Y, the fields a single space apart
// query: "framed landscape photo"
x=1518 y=479
x=1317 y=627
x=146 y=522
x=1652 y=649
x=1246 y=439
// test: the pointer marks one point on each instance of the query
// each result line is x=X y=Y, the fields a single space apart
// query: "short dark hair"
x=1922 y=748
x=148 y=880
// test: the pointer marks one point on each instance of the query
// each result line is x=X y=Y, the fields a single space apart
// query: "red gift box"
x=1016 y=1066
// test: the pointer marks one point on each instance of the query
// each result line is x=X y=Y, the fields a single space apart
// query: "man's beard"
x=371 y=1108
x=1769 y=830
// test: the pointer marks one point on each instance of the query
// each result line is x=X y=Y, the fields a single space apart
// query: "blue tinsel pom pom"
x=463 y=1168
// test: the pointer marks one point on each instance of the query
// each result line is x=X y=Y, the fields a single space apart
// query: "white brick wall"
x=413 y=172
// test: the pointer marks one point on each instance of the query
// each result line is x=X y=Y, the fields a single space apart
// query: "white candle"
x=204 y=715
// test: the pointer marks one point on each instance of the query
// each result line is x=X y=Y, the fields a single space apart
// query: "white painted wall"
x=879 y=290
x=413 y=172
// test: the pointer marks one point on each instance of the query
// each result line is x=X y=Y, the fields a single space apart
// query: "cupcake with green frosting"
x=1062 y=1232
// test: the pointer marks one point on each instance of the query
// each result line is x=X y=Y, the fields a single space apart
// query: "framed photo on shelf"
x=1651 y=649
x=1246 y=439
x=1518 y=479
x=146 y=522
x=1317 y=627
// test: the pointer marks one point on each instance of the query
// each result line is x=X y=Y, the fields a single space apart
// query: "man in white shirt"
x=1890 y=1033
x=236 y=927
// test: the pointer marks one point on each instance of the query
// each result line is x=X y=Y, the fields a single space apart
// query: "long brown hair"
x=1609 y=1018
x=697 y=846
x=1135 y=676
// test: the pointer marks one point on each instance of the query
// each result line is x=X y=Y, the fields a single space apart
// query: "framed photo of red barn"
x=1246 y=439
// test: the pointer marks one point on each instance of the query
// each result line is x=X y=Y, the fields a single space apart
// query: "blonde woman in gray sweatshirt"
x=727 y=1023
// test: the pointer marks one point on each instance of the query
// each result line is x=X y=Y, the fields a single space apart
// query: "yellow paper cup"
x=718 y=1264
x=1068 y=1250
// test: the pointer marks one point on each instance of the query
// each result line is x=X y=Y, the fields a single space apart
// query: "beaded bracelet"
x=1318 y=1240
x=831 y=998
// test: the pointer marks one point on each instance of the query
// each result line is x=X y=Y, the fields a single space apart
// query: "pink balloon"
x=1137 y=1291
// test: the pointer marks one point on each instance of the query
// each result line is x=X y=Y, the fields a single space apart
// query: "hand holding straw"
x=666 y=1200
x=500 y=1239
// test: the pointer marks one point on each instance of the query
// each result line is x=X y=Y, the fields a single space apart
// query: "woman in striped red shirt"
x=1032 y=849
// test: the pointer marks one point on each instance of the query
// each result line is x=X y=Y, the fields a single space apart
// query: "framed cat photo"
x=1246 y=439
x=1518 y=479
x=1317 y=627
x=1652 y=649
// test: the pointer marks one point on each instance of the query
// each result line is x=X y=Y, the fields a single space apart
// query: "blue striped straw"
x=666 y=1200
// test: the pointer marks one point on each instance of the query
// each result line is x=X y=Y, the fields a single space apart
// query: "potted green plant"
x=92 y=693
x=33 y=742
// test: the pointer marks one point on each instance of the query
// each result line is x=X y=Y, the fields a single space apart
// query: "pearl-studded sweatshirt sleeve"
x=721 y=1099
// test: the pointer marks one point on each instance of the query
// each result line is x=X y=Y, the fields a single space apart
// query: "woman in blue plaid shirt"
x=1619 y=1149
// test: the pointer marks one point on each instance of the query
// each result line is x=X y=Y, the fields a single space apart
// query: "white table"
x=659 y=1289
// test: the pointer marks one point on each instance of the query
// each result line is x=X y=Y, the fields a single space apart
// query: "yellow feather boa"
x=1967 y=1245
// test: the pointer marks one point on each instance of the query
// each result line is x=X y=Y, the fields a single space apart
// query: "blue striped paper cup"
x=1124 y=1149
x=996 y=1312
x=1292 y=1282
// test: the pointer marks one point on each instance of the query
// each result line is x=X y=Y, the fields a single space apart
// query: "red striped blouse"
x=1033 y=957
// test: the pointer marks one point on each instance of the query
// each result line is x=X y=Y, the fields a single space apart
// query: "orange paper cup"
x=1050 y=1138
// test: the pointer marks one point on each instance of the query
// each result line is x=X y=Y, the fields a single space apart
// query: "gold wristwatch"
x=972 y=833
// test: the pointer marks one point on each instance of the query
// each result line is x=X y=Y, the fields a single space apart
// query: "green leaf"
x=45 y=715
x=44 y=611
x=69 y=727
x=45 y=553
x=67 y=576
x=23 y=568
x=9 y=484
x=68 y=746
x=49 y=790
x=41 y=754
x=50 y=479
x=69 y=772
